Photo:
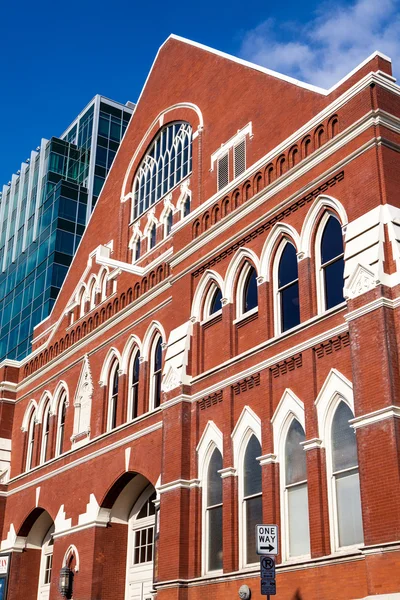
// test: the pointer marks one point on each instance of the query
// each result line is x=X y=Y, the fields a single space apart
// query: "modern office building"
x=43 y=213
x=223 y=352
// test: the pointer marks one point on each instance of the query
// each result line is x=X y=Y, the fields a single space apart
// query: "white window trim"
x=336 y=388
x=240 y=312
x=319 y=271
x=290 y=408
x=248 y=424
x=44 y=443
x=207 y=304
x=115 y=367
x=211 y=439
x=153 y=347
x=135 y=353
x=31 y=446
x=241 y=133
x=202 y=288
x=276 y=292
x=63 y=396
x=47 y=550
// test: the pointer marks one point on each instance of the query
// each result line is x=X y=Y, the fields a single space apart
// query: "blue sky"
x=57 y=55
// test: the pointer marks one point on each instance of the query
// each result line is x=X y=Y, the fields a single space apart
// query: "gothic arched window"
x=167 y=161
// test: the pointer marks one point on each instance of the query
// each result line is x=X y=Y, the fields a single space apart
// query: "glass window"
x=45 y=434
x=346 y=478
x=168 y=223
x=332 y=262
x=215 y=304
x=153 y=236
x=296 y=491
x=31 y=441
x=61 y=425
x=167 y=162
x=186 y=206
x=250 y=293
x=288 y=288
x=135 y=386
x=156 y=373
x=252 y=499
x=214 y=512
x=114 y=382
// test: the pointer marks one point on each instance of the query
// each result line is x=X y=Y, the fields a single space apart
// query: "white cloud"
x=335 y=41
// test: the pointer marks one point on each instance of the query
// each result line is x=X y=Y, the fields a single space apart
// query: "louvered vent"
x=223 y=172
x=239 y=158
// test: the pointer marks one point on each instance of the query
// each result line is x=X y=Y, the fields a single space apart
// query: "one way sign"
x=267 y=539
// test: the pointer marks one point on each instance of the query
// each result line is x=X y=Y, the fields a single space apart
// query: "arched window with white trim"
x=62 y=412
x=136 y=250
x=246 y=290
x=296 y=492
x=186 y=206
x=288 y=288
x=212 y=302
x=31 y=440
x=113 y=396
x=167 y=162
x=152 y=236
x=45 y=433
x=251 y=499
x=155 y=373
x=213 y=513
x=330 y=262
x=345 y=479
x=168 y=223
x=134 y=386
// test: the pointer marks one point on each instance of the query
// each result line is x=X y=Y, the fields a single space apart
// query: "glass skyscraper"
x=43 y=213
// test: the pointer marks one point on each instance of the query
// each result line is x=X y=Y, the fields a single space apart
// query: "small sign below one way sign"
x=268 y=582
x=267 y=539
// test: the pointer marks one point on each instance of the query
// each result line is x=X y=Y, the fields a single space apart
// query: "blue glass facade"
x=43 y=213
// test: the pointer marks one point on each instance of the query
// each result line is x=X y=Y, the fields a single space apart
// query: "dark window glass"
x=62 y=426
x=169 y=223
x=250 y=293
x=153 y=236
x=114 y=398
x=186 y=207
x=289 y=288
x=157 y=366
x=135 y=386
x=332 y=262
x=252 y=495
x=137 y=250
x=215 y=304
x=214 y=511
x=252 y=468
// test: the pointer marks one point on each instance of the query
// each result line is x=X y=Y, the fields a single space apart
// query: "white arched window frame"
x=213 y=295
x=249 y=424
x=61 y=416
x=319 y=268
x=155 y=357
x=113 y=385
x=92 y=293
x=168 y=222
x=45 y=432
x=336 y=389
x=241 y=291
x=210 y=441
x=167 y=162
x=103 y=284
x=289 y=410
x=31 y=440
x=82 y=301
x=134 y=382
x=277 y=289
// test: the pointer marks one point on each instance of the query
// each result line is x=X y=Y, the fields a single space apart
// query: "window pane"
x=215 y=538
x=253 y=517
x=295 y=456
x=332 y=240
x=299 y=534
x=349 y=509
x=214 y=481
x=252 y=468
x=215 y=305
x=334 y=283
x=290 y=306
x=158 y=356
x=288 y=265
x=250 y=291
x=344 y=445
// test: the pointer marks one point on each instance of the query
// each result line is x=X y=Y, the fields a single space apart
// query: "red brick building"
x=223 y=352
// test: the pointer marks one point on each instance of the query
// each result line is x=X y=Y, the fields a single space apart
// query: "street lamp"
x=65 y=582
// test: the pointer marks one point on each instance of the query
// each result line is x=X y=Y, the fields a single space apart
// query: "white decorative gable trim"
x=83 y=405
x=360 y=281
x=248 y=424
x=61 y=523
x=177 y=357
x=212 y=438
x=290 y=407
x=335 y=388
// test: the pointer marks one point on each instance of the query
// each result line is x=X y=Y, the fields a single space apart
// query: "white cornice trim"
x=267 y=459
x=370 y=307
x=312 y=444
x=227 y=472
x=388 y=412
x=185 y=484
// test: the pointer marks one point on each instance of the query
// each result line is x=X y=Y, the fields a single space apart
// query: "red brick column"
x=307 y=308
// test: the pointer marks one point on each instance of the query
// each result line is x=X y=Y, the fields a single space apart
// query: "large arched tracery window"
x=166 y=163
